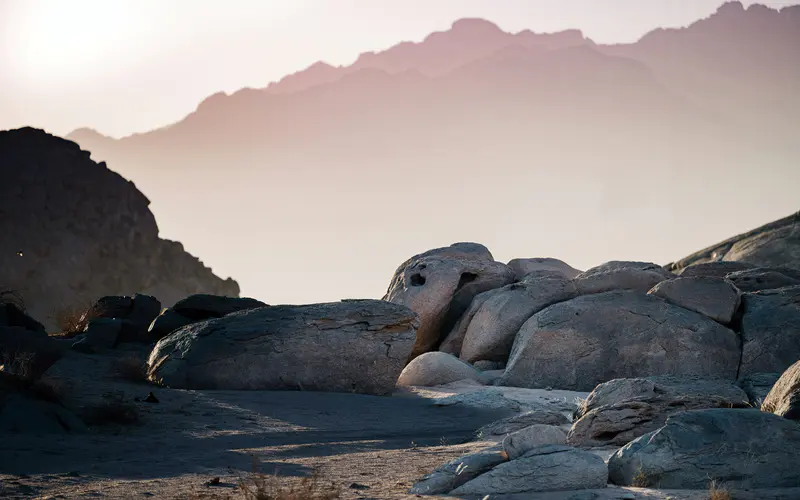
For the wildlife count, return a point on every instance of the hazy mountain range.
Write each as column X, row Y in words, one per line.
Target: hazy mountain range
column 316, row 186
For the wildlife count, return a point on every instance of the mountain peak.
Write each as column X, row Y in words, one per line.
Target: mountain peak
column 475, row 25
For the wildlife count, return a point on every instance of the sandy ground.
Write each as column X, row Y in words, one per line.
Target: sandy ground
column 365, row 446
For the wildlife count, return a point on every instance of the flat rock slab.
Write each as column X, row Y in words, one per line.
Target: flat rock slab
column 744, row 448
column 770, row 330
column 351, row 346
column 713, row 297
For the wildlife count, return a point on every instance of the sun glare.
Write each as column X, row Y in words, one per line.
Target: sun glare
column 62, row 40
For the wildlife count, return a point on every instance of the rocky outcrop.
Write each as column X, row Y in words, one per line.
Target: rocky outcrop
column 26, row 351
column 583, row 342
column 439, row 286
column 757, row 386
column 457, row 472
column 621, row 275
column 350, row 346
column 436, row 368
column 523, row 267
column 713, row 297
column 524, row 440
column 73, row 230
column 776, row 244
column 770, row 329
column 760, row 278
column 498, row 430
column 493, row 327
column 784, row 398
column 545, row 468
column 198, row 307
column 716, row 269
column 743, row 448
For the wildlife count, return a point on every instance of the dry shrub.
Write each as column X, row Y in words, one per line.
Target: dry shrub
column 259, row 486
column 71, row 321
column 131, row 368
column 17, row 363
column 112, row 410
column 718, row 492
column 641, row 480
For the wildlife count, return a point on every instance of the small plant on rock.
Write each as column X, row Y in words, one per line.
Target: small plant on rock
column 718, row 492
column 259, row 486
column 641, row 480
column 71, row 321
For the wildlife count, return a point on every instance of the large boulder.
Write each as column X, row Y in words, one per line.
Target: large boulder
column 621, row 275
column 349, row 346
column 524, row 440
column 545, row 468
column 28, row 353
column 784, row 398
column 439, row 286
column 491, row 332
column 133, row 315
column 759, row 278
column 743, row 448
column 589, row 340
column 436, row 368
column 776, row 244
column 770, row 329
column 197, row 307
column 500, row 429
column 713, row 297
column 454, row 340
column 523, row 267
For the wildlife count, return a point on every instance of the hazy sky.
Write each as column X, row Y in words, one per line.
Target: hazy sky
column 124, row 66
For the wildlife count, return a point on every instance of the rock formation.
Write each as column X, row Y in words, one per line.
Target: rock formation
column 73, row 230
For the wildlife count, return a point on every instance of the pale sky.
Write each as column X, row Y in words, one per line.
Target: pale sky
column 124, row 66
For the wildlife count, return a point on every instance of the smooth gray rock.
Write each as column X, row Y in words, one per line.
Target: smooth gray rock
column 713, row 297
column 546, row 468
column 101, row 333
column 454, row 340
column 436, row 368
column 759, row 278
column 440, row 284
column 581, row 343
column 522, row 267
column 487, row 366
column 757, row 386
column 28, row 353
column 743, row 448
column 457, row 472
column 770, row 329
column 621, row 275
column 501, row 428
column 524, row 440
column 351, row 346
column 621, row 389
column 713, row 269
column 167, row 322
column 619, row 423
column 494, row 326
column 784, row 398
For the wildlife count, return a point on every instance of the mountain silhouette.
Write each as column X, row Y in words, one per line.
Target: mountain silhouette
column 618, row 151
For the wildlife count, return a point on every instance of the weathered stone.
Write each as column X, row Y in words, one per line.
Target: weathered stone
column 440, row 284
column 501, row 428
column 486, row 365
column 28, row 353
column 350, row 346
column 73, row 230
column 713, row 269
column 457, row 472
column 436, row 368
column 621, row 275
column 522, row 267
column 743, row 448
column 23, row 410
column 167, row 322
column 776, row 244
column 758, row 385
column 595, row 338
column 713, row 297
column 546, row 468
column 13, row 315
column 670, row 387
column 770, row 330
column 753, row 280
column 524, row 440
column 621, row 422
column 202, row 306
column 784, row 398
column 102, row 333
column 454, row 340
column 494, row 326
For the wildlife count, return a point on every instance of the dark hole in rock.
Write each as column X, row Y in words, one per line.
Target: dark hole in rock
column 466, row 278
column 417, row 280
column 423, row 266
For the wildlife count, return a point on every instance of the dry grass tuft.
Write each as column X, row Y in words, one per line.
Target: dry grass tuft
column 641, row 480
column 718, row 492
column 71, row 321
column 131, row 368
column 259, row 486
column 17, row 363
column 112, row 410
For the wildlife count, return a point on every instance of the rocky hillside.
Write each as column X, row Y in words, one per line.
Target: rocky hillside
column 73, row 230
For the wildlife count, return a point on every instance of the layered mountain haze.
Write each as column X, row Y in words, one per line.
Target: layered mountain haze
column 545, row 144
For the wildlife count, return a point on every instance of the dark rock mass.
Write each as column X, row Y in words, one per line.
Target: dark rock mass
column 73, row 230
